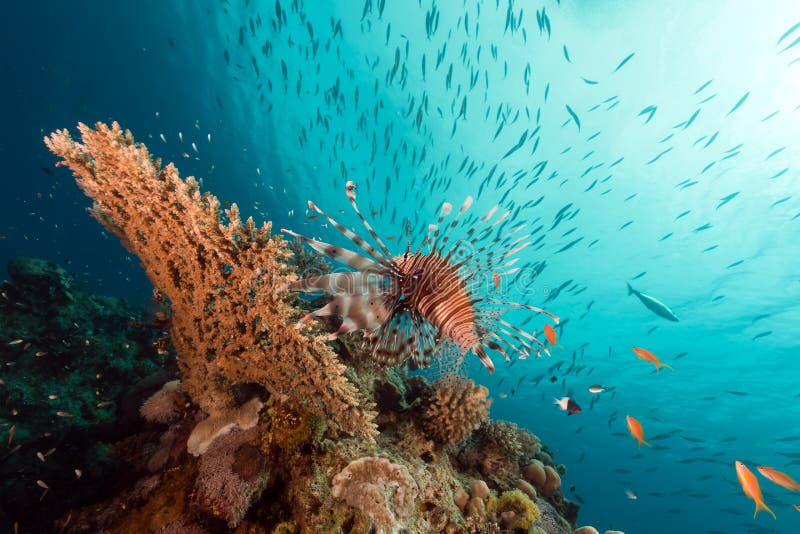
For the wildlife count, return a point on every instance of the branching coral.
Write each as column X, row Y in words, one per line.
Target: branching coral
column 457, row 408
column 219, row 274
column 381, row 490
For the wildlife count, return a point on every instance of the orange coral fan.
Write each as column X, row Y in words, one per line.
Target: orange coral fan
column 229, row 325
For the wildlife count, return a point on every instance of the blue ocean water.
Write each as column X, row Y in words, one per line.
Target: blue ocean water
column 662, row 133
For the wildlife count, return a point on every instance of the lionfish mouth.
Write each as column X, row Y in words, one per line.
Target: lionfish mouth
column 415, row 305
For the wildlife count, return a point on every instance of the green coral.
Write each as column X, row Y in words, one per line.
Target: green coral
column 285, row 527
column 526, row 513
column 289, row 429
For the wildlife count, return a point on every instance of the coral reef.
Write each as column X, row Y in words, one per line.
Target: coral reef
column 457, row 408
column 164, row 405
column 381, row 490
column 230, row 476
column 268, row 431
column 220, row 423
column 72, row 367
column 220, row 276
column 517, row 511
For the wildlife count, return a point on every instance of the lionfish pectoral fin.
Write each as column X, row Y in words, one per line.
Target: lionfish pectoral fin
column 339, row 283
column 342, row 255
column 401, row 336
column 485, row 359
column 496, row 346
column 348, row 325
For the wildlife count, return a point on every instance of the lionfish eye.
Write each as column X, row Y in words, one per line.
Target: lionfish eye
column 416, row 276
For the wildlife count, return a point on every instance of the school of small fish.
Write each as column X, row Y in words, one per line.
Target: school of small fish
column 412, row 112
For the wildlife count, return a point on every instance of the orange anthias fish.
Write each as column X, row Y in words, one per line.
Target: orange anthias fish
column 637, row 432
column 781, row 479
column 648, row 356
column 550, row 334
column 751, row 488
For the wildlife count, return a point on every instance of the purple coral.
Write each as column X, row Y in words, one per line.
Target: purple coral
column 225, row 486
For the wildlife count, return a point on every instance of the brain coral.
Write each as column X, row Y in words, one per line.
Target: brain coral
column 456, row 408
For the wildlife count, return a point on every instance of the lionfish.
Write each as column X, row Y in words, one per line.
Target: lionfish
column 416, row 305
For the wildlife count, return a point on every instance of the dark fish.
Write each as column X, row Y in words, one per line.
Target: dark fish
column 519, row 144
column 569, row 405
column 683, row 214
column 569, row 245
column 649, row 111
column 727, row 198
column 47, row 171
column 702, row 87
column 739, row 103
column 622, row 63
column 702, row 228
column 574, row 117
column 762, row 334
column 779, row 173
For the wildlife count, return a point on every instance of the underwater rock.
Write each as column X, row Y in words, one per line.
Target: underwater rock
column 41, row 281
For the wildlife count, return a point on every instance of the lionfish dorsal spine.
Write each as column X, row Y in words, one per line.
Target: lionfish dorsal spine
column 342, row 255
column 366, row 247
column 350, row 189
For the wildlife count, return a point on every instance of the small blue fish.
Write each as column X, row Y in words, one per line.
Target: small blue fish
column 654, row 305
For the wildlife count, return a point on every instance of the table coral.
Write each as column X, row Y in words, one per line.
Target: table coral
column 219, row 274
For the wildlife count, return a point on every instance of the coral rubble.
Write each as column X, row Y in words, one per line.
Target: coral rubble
column 268, row 430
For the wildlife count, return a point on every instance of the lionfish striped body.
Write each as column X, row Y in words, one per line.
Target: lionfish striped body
column 415, row 304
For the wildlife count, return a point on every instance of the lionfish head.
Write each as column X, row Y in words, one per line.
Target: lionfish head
column 417, row 305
